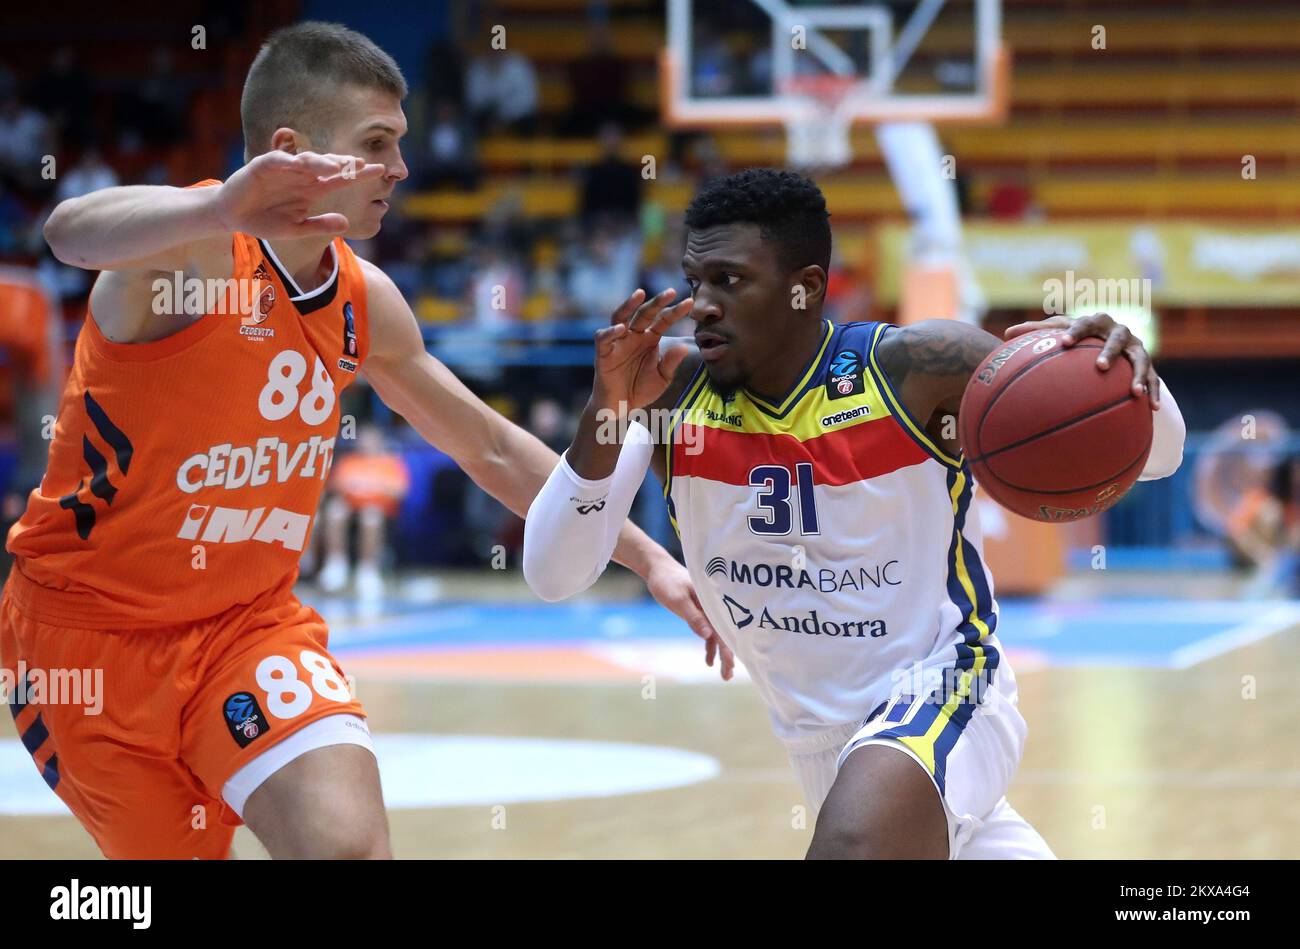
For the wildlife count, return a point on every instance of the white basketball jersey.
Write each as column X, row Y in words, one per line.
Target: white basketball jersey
column 831, row 541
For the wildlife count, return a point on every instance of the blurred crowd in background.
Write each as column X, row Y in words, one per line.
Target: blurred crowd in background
column 479, row 285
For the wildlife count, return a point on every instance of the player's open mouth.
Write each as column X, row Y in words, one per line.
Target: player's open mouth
column 711, row 346
column 381, row 202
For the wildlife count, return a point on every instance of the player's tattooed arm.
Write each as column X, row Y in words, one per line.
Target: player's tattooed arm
column 929, row 363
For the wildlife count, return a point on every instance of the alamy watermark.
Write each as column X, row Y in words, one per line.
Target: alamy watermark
column 179, row 295
column 613, row 424
column 1086, row 294
column 53, row 687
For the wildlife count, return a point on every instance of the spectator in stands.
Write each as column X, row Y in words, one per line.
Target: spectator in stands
column 445, row 72
column 501, row 92
column 706, row 158
column 507, row 226
column 1265, row 529
column 597, row 86
column 89, row 173
column 16, row 226
column 452, row 148
column 156, row 114
column 602, row 272
column 546, row 420
column 63, row 93
column 496, row 291
column 665, row 270
column 369, row 484
column 611, row 187
column 24, row 141
column 1011, row 199
column 31, row 335
column 847, row 297
column 713, row 68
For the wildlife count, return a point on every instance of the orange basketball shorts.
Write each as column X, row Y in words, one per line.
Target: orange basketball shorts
column 162, row 719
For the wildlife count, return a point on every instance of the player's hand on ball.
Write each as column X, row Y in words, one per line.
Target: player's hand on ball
column 274, row 194
column 1119, row 339
column 631, row 368
column 670, row 585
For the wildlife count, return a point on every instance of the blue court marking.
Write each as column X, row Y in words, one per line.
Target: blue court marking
column 461, row 625
column 1162, row 633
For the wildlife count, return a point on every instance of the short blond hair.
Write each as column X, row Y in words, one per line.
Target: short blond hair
column 296, row 77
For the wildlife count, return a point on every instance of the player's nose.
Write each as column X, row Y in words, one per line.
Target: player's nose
column 706, row 309
column 396, row 170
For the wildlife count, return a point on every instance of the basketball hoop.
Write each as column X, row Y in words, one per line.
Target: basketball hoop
column 817, row 136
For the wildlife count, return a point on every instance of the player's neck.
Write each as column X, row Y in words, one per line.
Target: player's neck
column 307, row 260
column 774, row 384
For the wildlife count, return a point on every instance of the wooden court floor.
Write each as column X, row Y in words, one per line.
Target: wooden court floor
column 1120, row 763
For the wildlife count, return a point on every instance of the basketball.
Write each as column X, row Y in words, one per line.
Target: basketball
column 1048, row 434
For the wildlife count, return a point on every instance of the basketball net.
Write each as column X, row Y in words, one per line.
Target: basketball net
column 818, row 137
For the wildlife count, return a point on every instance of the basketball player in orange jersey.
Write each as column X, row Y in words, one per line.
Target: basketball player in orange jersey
column 189, row 454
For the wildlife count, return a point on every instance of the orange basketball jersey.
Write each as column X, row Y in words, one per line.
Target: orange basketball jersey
column 185, row 473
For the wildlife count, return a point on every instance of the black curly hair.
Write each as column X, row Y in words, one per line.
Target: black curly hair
column 789, row 209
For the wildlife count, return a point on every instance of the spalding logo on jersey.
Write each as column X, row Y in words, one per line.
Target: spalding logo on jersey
column 846, row 376
column 244, row 718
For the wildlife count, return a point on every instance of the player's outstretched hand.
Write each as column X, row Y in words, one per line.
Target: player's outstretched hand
column 670, row 585
column 631, row 369
column 273, row 195
column 1119, row 339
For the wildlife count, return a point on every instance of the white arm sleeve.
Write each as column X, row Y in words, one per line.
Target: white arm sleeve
column 573, row 524
column 1168, row 433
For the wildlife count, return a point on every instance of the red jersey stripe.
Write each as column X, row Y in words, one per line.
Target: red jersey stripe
column 862, row 451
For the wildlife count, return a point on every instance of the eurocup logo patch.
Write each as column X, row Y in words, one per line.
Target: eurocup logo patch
column 244, row 718
column 349, row 332
column 845, row 363
column 846, row 375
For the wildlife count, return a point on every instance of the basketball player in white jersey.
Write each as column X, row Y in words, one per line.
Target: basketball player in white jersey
column 825, row 520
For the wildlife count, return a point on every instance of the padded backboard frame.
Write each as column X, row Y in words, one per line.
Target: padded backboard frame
column 875, row 97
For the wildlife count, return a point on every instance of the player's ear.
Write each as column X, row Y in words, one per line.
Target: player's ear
column 812, row 280
column 287, row 140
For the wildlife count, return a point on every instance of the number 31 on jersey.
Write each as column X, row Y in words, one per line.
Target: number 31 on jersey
column 775, row 500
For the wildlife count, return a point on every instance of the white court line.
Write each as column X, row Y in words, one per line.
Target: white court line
column 1186, row 780
column 1199, row 780
column 1272, row 622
